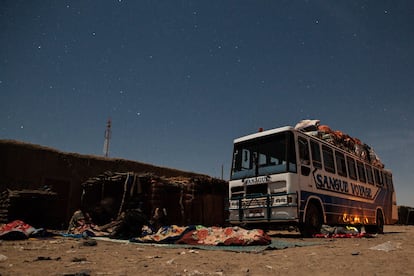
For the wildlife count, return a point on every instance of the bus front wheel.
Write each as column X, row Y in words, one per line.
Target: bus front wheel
column 313, row 222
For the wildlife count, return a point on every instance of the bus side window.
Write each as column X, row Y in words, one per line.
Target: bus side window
column 328, row 160
column 388, row 179
column 316, row 155
column 304, row 156
column 361, row 172
column 370, row 176
column 340, row 163
column 377, row 177
column 304, row 151
column 383, row 180
column 351, row 168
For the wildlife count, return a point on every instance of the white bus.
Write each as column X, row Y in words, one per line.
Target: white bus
column 286, row 176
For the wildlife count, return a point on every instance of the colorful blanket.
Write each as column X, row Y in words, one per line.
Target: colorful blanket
column 81, row 225
column 225, row 236
column 16, row 230
column 200, row 235
column 166, row 234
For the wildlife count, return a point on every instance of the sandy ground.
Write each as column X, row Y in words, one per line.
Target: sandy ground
column 389, row 254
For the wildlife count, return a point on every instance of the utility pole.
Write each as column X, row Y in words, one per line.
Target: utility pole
column 107, row 138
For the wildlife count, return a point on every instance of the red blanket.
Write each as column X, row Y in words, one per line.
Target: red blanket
column 225, row 236
column 16, row 230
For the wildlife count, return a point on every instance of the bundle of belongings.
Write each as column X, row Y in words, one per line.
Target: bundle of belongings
column 342, row 232
column 18, row 230
column 201, row 235
column 340, row 139
column 134, row 227
column 128, row 224
column 81, row 225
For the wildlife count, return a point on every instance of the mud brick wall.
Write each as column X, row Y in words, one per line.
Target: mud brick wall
column 186, row 200
column 28, row 166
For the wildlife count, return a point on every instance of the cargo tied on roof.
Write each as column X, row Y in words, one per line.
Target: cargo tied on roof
column 340, row 139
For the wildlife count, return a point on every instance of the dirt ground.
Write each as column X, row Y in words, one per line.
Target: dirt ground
column 389, row 254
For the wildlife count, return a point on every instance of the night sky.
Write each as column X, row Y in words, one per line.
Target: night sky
column 181, row 79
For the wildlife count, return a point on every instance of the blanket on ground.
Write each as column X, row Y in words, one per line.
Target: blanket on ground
column 200, row 235
column 225, row 236
column 166, row 234
column 16, row 230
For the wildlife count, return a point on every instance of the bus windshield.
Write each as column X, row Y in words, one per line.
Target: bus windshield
column 264, row 156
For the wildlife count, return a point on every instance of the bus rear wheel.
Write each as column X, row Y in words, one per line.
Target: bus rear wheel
column 378, row 228
column 380, row 222
column 313, row 222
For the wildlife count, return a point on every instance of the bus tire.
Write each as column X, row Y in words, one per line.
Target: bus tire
column 312, row 223
column 378, row 228
column 380, row 222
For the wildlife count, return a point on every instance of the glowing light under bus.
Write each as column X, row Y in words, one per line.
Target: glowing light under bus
column 354, row 219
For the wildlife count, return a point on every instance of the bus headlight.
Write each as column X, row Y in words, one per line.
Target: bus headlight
column 292, row 199
column 279, row 200
column 234, row 204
